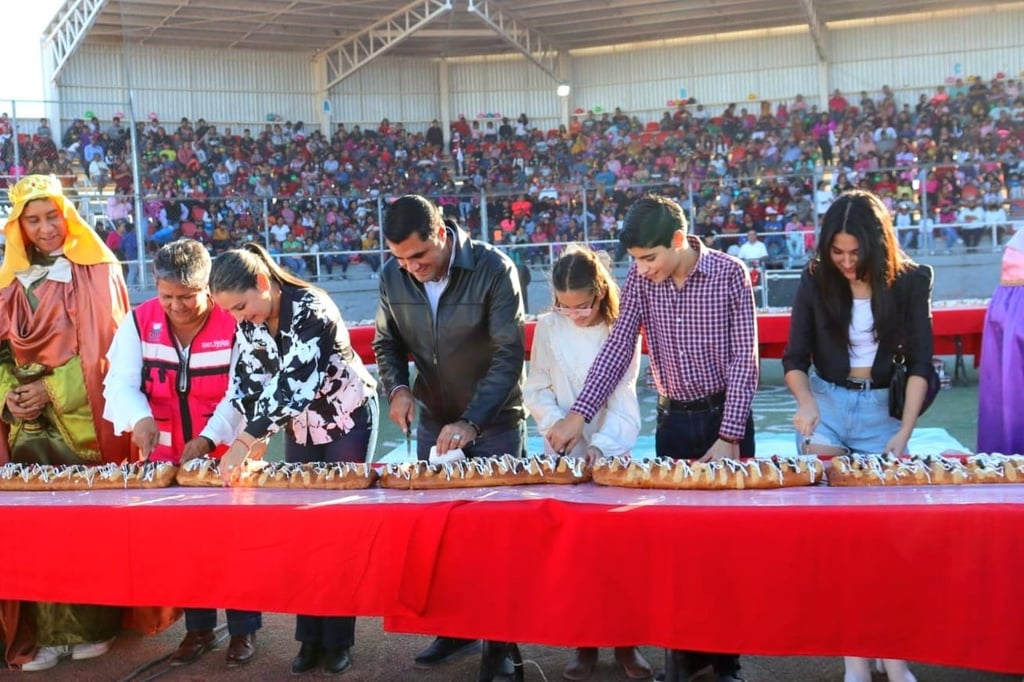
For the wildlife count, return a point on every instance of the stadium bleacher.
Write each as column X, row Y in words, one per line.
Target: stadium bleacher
column 947, row 165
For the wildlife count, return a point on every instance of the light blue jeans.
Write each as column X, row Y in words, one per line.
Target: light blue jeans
column 856, row 420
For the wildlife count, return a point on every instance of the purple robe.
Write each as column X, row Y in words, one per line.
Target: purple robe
column 1001, row 376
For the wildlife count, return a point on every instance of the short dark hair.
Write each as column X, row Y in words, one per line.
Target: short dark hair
column 651, row 222
column 184, row 261
column 411, row 214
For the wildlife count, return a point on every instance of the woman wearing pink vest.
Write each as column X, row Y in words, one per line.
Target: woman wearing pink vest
column 167, row 384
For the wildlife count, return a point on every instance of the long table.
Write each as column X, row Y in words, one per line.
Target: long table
column 925, row 574
column 957, row 332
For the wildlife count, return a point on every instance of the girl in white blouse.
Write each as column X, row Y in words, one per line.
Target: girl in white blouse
column 565, row 343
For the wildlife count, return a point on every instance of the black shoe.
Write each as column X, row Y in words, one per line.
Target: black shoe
column 444, row 649
column 497, row 660
column 336, row 661
column 307, row 659
column 729, row 677
column 701, row 673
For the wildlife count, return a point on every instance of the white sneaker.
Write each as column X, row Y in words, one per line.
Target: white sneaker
column 81, row 652
column 46, row 658
column 856, row 669
column 897, row 671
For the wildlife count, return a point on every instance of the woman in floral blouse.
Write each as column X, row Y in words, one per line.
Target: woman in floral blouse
column 296, row 370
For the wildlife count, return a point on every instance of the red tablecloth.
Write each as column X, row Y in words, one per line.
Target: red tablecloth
column 965, row 324
column 773, row 332
column 916, row 573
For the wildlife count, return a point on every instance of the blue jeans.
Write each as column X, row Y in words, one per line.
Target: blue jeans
column 132, row 278
column 856, row 420
column 336, row 259
column 908, row 237
column 951, row 235
column 371, row 259
column 239, row 622
column 294, row 263
column 926, row 240
column 492, row 441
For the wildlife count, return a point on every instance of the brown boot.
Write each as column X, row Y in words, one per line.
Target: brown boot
column 581, row 666
column 633, row 663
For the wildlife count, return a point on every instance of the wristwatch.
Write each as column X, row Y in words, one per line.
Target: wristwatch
column 475, row 427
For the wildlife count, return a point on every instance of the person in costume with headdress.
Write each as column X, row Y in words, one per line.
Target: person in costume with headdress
column 62, row 296
column 1000, row 421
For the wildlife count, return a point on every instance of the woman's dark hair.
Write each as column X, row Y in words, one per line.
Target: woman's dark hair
column 236, row 270
column 863, row 216
column 651, row 222
column 582, row 269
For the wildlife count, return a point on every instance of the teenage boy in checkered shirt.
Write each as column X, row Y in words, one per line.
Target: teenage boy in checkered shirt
column 696, row 308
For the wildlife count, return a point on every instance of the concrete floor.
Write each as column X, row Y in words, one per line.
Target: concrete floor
column 384, row 657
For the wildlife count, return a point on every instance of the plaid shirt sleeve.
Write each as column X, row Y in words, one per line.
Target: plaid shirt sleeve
column 611, row 363
column 742, row 367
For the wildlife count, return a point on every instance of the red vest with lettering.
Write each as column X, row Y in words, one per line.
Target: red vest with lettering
column 183, row 398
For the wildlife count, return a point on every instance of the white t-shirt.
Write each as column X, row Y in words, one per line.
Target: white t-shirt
column 279, row 232
column 753, row 251
column 863, row 346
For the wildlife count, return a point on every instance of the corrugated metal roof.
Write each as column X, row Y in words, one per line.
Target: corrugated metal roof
column 314, row 25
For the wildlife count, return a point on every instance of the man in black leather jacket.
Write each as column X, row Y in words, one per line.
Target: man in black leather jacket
column 455, row 306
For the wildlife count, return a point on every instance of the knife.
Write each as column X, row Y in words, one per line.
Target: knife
column 408, row 437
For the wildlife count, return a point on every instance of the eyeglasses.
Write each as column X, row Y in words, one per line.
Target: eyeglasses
column 576, row 312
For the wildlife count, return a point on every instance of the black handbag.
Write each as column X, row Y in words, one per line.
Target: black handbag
column 898, row 385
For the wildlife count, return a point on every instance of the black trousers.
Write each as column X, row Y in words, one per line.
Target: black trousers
column 494, row 440
column 330, row 632
column 688, row 435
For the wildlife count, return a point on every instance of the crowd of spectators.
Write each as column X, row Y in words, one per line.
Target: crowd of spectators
column 948, row 165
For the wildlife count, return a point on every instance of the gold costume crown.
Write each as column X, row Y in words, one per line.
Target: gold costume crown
column 34, row 187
